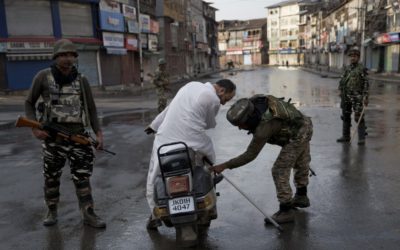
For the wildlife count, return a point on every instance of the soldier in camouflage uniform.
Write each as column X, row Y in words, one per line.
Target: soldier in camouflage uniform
column 275, row 121
column 67, row 101
column 160, row 80
column 353, row 88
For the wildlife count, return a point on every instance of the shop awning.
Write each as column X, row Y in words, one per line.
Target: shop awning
column 29, row 57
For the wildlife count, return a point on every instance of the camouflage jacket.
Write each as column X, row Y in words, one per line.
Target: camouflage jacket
column 278, row 125
column 161, row 81
column 354, row 80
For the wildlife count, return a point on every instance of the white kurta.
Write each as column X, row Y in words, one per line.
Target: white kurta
column 190, row 113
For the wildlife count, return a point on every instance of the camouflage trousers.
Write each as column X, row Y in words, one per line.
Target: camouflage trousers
column 294, row 155
column 162, row 102
column 80, row 158
column 352, row 103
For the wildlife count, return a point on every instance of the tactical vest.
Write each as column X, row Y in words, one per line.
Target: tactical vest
column 285, row 111
column 65, row 103
column 354, row 79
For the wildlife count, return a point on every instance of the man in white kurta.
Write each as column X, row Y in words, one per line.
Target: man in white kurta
column 188, row 116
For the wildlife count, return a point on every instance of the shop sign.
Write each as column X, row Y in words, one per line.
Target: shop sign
column 131, row 42
column 28, row 46
column 153, row 42
column 154, row 26
column 109, row 6
column 129, row 11
column 145, row 23
column 111, row 21
column 144, row 41
column 133, row 26
column 3, row 47
column 113, row 39
column 237, row 52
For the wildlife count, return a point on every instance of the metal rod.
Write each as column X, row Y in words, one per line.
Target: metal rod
column 253, row 203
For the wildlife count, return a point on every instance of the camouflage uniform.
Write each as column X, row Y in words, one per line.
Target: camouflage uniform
column 280, row 124
column 68, row 104
column 353, row 87
column 161, row 82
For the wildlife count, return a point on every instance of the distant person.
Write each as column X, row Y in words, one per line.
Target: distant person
column 191, row 112
column 287, row 63
column 353, row 87
column 230, row 64
column 161, row 82
column 67, row 102
column 275, row 121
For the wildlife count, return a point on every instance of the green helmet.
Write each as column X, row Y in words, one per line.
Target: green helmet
column 240, row 111
column 64, row 46
column 354, row 51
column 161, row 61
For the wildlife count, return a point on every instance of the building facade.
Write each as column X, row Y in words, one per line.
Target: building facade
column 242, row 41
column 283, row 33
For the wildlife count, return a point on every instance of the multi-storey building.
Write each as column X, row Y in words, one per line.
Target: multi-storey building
column 242, row 41
column 283, row 33
column 119, row 41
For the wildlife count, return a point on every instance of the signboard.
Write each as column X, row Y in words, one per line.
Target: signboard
column 112, row 21
column 109, row 6
column 144, row 41
column 131, row 42
column 154, row 26
column 145, row 22
column 113, row 39
column 153, row 42
column 129, row 11
column 133, row 26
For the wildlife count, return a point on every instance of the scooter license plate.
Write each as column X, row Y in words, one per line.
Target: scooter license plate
column 181, row 205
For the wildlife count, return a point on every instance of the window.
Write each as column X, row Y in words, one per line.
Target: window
column 76, row 19
column 28, row 18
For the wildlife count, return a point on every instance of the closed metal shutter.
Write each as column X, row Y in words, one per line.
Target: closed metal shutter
column 28, row 17
column 87, row 63
column 76, row 19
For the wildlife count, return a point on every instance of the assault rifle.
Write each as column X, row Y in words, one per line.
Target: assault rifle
column 56, row 130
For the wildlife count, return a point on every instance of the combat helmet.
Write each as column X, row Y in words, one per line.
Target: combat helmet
column 240, row 111
column 64, row 46
column 161, row 61
column 354, row 51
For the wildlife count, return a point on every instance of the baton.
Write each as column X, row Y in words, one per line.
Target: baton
column 253, row 203
column 358, row 123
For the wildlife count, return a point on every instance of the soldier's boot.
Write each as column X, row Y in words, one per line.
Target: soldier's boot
column 90, row 218
column 51, row 216
column 300, row 199
column 346, row 133
column 84, row 194
column 361, row 134
column 52, row 196
column 284, row 215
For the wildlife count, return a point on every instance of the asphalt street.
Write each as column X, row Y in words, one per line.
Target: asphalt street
column 354, row 200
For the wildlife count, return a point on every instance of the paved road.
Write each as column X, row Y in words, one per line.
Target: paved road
column 354, row 198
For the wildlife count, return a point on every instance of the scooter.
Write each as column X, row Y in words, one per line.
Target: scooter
column 185, row 193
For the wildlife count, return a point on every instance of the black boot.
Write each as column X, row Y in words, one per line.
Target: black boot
column 153, row 224
column 51, row 216
column 346, row 132
column 300, row 199
column 284, row 215
column 91, row 219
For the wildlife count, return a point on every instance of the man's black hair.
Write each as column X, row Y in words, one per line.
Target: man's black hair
column 227, row 84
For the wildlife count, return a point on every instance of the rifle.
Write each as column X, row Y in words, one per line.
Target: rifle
column 56, row 130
